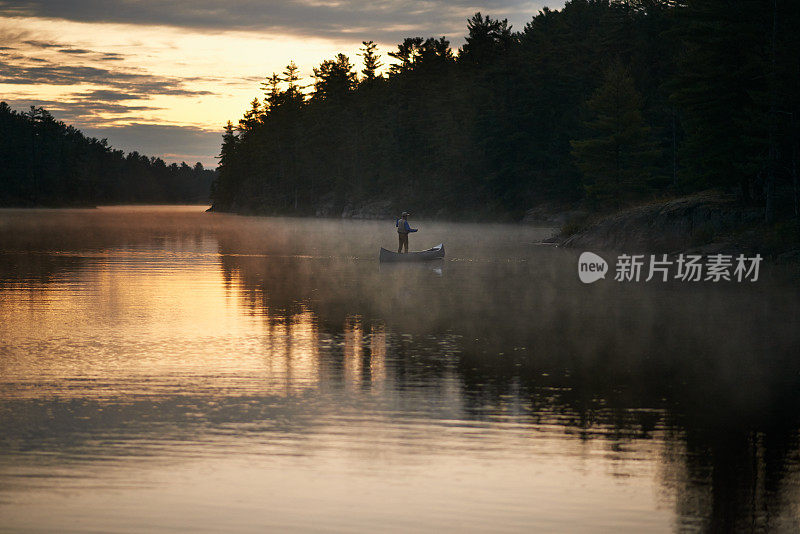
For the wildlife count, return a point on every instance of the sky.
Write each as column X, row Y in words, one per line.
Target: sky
column 164, row 76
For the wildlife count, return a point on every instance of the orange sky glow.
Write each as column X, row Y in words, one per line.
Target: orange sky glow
column 166, row 83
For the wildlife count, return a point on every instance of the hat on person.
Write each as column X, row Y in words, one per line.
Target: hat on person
column 404, row 214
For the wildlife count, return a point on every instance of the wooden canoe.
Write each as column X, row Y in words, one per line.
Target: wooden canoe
column 435, row 253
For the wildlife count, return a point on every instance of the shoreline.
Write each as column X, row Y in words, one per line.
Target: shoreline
column 707, row 222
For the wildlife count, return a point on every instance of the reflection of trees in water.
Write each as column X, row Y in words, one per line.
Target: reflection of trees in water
column 93, row 231
column 733, row 475
column 31, row 269
column 709, row 377
column 688, row 368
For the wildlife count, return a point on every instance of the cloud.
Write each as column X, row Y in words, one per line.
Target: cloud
column 75, row 51
column 108, row 95
column 57, row 74
column 134, row 83
column 81, row 111
column 63, row 48
column 20, row 57
column 171, row 142
column 10, row 36
column 84, row 110
column 383, row 20
column 117, row 93
column 42, row 44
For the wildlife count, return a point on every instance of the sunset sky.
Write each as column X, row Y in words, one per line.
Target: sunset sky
column 163, row 77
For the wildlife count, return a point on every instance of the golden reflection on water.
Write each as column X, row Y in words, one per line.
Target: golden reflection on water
column 377, row 353
column 353, row 348
column 189, row 370
column 292, row 353
column 126, row 319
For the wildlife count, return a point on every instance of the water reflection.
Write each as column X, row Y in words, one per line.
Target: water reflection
column 144, row 349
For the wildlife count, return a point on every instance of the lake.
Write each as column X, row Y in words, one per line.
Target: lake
column 163, row 369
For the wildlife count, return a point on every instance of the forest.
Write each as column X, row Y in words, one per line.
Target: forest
column 47, row 163
column 605, row 103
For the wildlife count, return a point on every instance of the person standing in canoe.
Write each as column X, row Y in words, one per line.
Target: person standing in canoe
column 403, row 229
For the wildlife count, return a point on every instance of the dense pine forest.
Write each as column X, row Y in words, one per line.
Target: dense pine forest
column 602, row 102
column 47, row 163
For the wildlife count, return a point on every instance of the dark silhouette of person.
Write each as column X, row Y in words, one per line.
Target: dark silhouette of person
column 403, row 229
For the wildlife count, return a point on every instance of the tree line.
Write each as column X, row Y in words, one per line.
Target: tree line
column 47, row 163
column 604, row 101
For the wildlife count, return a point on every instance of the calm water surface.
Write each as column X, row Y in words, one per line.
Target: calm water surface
column 167, row 370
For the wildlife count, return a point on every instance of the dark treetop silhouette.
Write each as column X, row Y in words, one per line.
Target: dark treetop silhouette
column 47, row 163
column 605, row 101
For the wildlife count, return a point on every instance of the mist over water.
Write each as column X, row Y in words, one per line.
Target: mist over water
column 164, row 369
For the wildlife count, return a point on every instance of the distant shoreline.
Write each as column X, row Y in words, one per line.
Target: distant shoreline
column 708, row 222
column 96, row 206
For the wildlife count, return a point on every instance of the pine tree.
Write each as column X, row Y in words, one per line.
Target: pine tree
column 720, row 72
column 272, row 92
column 371, row 61
column 252, row 117
column 617, row 153
column 293, row 96
column 407, row 53
column 334, row 79
column 487, row 38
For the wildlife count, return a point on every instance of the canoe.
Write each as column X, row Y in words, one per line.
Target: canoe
column 435, row 253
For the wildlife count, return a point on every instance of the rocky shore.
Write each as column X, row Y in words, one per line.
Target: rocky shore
column 706, row 223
